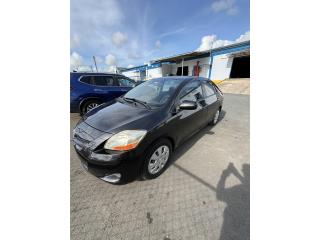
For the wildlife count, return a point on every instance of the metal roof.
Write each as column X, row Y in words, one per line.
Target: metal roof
column 198, row 53
column 231, row 48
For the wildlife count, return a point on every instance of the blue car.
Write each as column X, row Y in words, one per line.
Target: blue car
column 88, row 90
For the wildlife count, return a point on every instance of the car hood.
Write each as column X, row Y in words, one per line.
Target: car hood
column 115, row 116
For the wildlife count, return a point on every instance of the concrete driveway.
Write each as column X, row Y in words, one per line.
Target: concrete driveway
column 200, row 196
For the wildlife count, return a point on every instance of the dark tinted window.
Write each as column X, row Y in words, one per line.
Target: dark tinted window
column 192, row 92
column 109, row 80
column 208, row 88
column 87, row 79
column 125, row 82
column 100, row 81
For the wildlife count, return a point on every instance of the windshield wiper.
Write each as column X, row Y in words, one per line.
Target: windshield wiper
column 138, row 101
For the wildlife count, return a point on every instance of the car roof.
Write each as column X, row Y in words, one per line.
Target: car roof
column 96, row 73
column 186, row 78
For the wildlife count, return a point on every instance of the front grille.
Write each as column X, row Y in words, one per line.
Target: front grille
column 87, row 133
column 78, row 137
column 88, row 137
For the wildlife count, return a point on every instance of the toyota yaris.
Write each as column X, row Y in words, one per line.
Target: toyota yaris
column 136, row 134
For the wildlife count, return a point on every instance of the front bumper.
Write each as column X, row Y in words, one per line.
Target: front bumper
column 88, row 143
column 126, row 164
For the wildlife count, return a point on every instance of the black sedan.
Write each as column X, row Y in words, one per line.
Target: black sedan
column 136, row 134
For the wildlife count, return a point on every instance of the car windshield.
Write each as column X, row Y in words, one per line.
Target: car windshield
column 155, row 92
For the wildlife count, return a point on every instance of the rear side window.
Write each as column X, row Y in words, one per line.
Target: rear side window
column 98, row 80
column 208, row 89
column 216, row 88
column 87, row 79
column 192, row 92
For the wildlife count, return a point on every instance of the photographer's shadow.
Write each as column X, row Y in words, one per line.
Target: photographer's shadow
column 236, row 216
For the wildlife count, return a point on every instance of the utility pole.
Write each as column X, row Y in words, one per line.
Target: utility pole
column 211, row 60
column 182, row 66
column 95, row 63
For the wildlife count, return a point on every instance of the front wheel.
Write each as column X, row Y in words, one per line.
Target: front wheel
column 89, row 105
column 157, row 159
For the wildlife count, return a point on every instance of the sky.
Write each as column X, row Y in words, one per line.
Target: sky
column 127, row 33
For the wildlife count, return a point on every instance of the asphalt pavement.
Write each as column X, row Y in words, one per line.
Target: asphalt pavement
column 204, row 194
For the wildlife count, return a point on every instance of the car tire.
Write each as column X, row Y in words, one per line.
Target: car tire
column 216, row 117
column 161, row 146
column 89, row 105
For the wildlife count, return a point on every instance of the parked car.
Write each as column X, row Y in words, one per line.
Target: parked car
column 136, row 134
column 88, row 90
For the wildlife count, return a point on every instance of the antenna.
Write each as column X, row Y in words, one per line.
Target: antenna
column 95, row 63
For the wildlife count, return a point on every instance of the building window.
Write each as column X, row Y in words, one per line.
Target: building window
column 185, row 71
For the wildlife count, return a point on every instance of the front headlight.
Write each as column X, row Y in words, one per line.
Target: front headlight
column 125, row 140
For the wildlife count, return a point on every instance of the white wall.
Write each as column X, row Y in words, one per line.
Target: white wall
column 166, row 69
column 221, row 67
column 154, row 73
column 132, row 74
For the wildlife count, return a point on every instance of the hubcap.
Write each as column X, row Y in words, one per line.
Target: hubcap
column 216, row 117
column 158, row 159
column 92, row 106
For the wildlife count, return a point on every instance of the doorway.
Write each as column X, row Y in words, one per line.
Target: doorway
column 240, row 67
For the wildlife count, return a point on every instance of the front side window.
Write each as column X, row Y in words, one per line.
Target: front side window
column 109, row 80
column 192, row 92
column 125, row 82
column 155, row 92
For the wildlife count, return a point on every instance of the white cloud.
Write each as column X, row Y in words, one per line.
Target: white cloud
column 111, row 60
column 74, row 41
column 76, row 61
column 86, row 13
column 158, row 44
column 112, row 69
column 119, row 39
column 212, row 41
column 228, row 6
column 244, row 37
column 130, row 66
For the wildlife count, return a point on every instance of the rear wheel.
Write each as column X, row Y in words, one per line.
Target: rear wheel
column 89, row 105
column 215, row 117
column 157, row 159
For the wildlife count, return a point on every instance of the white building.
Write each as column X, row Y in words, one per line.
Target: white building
column 232, row 61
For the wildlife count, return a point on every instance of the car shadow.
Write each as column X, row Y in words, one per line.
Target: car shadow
column 236, row 215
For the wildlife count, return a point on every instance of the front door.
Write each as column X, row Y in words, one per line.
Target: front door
column 191, row 121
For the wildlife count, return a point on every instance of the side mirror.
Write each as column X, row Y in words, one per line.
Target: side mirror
column 188, row 105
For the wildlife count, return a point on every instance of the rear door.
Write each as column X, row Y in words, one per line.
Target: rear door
column 103, row 87
column 211, row 99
